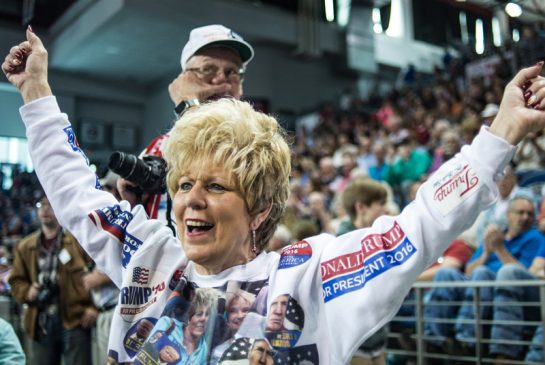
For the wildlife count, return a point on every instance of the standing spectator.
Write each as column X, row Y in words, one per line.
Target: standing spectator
column 104, row 294
column 47, row 276
column 213, row 62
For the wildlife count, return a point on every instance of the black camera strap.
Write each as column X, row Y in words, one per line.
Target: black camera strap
column 169, row 215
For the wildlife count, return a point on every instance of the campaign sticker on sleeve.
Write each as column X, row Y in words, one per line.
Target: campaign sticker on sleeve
column 455, row 186
column 295, row 255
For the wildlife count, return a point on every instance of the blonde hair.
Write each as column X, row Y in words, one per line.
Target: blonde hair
column 249, row 145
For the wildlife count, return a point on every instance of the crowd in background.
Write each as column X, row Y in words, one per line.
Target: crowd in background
column 398, row 139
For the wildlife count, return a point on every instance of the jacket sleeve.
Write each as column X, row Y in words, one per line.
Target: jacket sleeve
column 107, row 229
column 395, row 250
column 19, row 277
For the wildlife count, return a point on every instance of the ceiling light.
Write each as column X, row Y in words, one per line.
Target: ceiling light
column 513, row 10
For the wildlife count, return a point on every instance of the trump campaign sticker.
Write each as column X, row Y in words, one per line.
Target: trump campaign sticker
column 295, row 255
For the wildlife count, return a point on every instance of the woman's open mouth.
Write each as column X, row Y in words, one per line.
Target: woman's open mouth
column 197, row 226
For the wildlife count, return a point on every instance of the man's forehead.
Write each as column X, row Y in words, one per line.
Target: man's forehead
column 219, row 53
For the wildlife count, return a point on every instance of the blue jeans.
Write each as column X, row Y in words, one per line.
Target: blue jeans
column 466, row 311
column 519, row 313
column 535, row 352
column 74, row 345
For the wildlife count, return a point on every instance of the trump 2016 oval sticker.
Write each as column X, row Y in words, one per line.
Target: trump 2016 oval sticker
column 295, row 255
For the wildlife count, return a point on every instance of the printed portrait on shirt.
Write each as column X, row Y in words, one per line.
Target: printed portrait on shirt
column 137, row 334
column 182, row 338
column 285, row 321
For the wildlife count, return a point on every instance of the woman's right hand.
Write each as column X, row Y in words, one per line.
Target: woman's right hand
column 25, row 67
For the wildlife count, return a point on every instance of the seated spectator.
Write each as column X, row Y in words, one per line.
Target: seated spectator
column 450, row 145
column 318, row 212
column 503, row 311
column 345, row 171
column 519, row 245
column 411, row 164
column 497, row 213
column 366, row 156
column 379, row 170
column 489, row 113
column 280, row 239
column 455, row 257
column 304, row 228
column 530, row 153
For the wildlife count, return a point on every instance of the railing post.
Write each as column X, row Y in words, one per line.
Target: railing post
column 542, row 307
column 419, row 327
column 478, row 334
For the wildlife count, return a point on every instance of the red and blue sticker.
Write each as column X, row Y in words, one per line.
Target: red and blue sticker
column 295, row 255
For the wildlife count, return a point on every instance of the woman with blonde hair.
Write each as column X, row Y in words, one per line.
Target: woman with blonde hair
column 229, row 168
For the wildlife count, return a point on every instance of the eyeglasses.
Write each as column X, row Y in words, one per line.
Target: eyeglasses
column 209, row 72
column 521, row 212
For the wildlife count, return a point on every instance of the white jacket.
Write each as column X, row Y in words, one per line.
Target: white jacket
column 341, row 289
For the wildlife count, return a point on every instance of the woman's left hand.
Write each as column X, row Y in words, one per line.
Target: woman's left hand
column 522, row 106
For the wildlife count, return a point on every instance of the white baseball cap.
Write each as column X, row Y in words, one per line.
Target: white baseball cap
column 490, row 110
column 212, row 36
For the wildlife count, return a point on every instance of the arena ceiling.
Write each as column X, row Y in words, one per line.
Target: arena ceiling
column 140, row 41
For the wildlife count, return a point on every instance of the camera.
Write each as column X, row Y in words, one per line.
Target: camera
column 46, row 294
column 149, row 173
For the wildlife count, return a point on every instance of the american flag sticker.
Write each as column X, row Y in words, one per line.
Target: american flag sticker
column 140, row 275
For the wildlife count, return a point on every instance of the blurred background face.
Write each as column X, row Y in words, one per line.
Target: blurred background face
column 506, row 185
column 520, row 216
column 226, row 61
column 46, row 214
column 316, row 202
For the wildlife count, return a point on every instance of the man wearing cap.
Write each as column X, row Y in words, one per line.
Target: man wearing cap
column 213, row 62
column 488, row 113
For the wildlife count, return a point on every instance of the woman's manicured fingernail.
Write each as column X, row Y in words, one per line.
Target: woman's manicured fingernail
column 537, row 107
column 540, row 63
column 526, row 85
column 531, row 100
column 30, row 28
column 527, row 94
